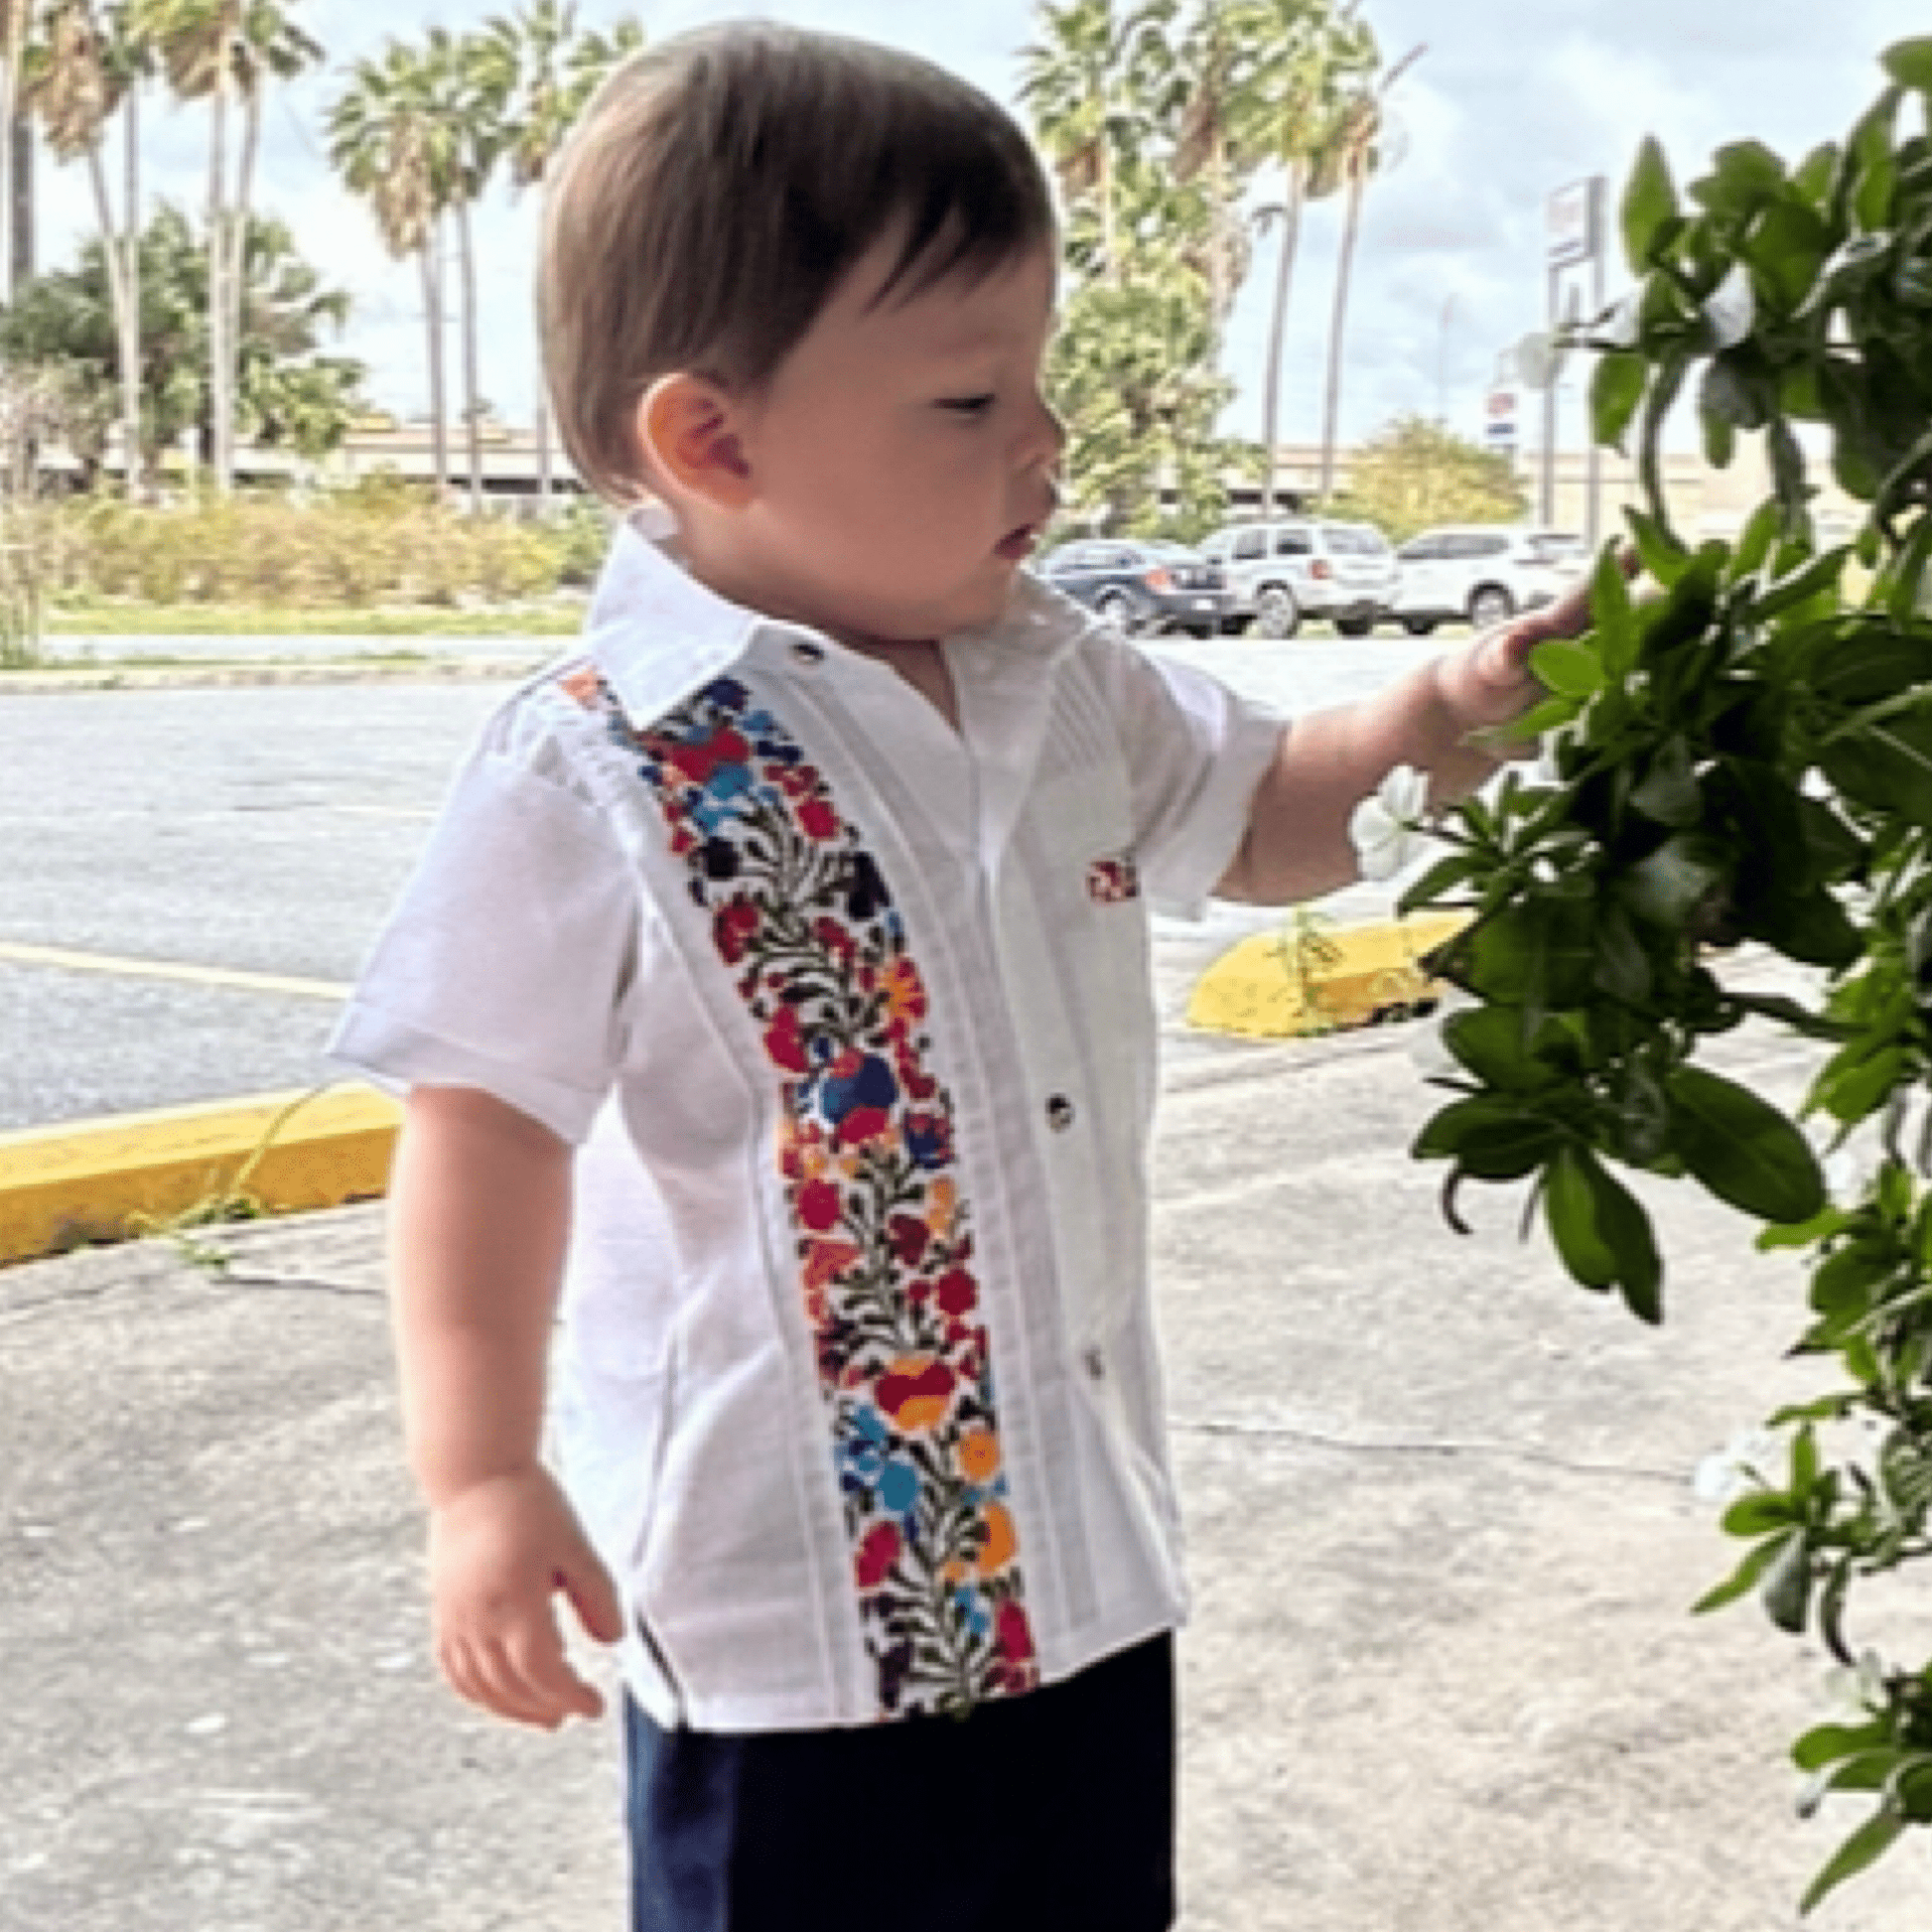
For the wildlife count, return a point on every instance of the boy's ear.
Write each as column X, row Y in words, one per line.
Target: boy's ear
column 688, row 429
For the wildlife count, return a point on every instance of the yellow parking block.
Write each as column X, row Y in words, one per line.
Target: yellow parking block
column 1278, row 985
column 108, row 1180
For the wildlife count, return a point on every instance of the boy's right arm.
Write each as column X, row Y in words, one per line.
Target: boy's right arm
column 479, row 1220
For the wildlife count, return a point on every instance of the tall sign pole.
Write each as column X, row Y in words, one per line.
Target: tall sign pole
column 1574, row 225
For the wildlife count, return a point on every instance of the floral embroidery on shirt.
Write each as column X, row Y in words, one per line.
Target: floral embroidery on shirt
column 1115, row 881
column 802, row 919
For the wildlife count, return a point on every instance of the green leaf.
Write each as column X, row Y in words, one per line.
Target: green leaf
column 1663, row 557
column 1886, row 765
column 1909, row 62
column 1759, row 1514
column 1786, row 1591
column 1676, row 882
column 1739, row 1583
column 1538, row 953
column 1622, row 965
column 1612, row 612
column 1827, row 1744
column 1568, row 668
column 1742, row 1149
column 1445, row 876
column 1862, row 1850
column 1755, row 546
column 1819, row 574
column 1786, row 250
column 1569, row 1207
column 1669, row 792
column 1616, row 392
column 1493, row 1043
column 1602, row 1231
column 1650, row 203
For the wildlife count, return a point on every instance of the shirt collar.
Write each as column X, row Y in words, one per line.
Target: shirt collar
column 658, row 635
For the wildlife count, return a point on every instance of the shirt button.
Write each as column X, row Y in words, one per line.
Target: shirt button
column 1096, row 1363
column 809, row 652
column 1059, row 1113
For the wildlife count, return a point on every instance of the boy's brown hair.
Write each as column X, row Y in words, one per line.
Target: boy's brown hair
column 720, row 187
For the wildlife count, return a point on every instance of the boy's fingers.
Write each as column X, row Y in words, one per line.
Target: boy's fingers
column 513, row 1693
column 593, row 1597
column 537, row 1657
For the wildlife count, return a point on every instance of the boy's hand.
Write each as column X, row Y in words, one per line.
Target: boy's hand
column 497, row 1552
column 1496, row 683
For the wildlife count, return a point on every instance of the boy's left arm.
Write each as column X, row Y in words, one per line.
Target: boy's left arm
column 1297, row 845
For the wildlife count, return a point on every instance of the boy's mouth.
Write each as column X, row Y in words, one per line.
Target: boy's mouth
column 1017, row 544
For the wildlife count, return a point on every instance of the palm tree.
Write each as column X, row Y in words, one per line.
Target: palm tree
column 1356, row 154
column 226, row 52
column 1312, row 53
column 18, row 20
column 468, row 83
column 391, row 148
column 289, row 392
column 557, row 68
column 88, row 68
column 1079, row 85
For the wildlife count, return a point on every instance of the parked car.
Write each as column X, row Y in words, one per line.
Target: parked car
column 1483, row 573
column 1140, row 584
column 1304, row 567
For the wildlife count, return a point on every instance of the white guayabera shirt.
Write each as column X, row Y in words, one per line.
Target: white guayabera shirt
column 851, row 1015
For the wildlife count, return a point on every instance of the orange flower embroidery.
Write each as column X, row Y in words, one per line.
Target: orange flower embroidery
column 979, row 1456
column 997, row 1550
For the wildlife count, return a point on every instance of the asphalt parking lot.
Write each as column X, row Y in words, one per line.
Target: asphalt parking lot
column 196, row 871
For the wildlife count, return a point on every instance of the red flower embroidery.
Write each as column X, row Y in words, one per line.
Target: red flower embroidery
column 818, row 820
column 1016, row 1632
column 819, row 1206
column 876, row 1555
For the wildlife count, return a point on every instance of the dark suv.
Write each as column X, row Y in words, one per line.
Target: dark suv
column 1142, row 585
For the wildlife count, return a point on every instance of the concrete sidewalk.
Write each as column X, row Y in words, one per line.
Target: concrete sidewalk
column 1440, row 1674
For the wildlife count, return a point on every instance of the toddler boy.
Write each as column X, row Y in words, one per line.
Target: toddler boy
column 776, row 988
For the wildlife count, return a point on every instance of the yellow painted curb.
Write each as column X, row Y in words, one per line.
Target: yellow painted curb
column 108, row 1180
column 1274, row 986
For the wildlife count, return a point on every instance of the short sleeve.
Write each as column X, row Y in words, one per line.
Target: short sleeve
column 504, row 964
column 1196, row 751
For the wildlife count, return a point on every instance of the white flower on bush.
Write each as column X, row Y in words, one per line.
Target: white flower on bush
column 1428, row 1049
column 1386, row 827
column 1748, row 1462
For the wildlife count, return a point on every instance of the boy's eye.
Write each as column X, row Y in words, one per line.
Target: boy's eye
column 967, row 405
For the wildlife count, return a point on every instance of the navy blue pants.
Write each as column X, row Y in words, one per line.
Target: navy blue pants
column 1047, row 1813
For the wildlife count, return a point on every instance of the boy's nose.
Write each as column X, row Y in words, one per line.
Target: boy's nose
column 1045, row 434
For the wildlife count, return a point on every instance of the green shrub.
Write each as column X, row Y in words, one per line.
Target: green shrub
column 384, row 544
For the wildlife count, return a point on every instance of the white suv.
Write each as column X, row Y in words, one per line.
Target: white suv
column 1280, row 573
column 1482, row 573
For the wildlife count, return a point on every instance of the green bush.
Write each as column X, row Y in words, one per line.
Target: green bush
column 384, row 544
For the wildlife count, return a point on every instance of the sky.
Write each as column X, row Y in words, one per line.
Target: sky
column 1509, row 101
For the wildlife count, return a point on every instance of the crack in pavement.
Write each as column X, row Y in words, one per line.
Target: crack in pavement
column 1361, row 1445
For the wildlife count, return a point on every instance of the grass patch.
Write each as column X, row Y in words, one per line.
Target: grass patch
column 120, row 620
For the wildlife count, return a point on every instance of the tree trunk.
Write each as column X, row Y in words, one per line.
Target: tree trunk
column 431, row 258
column 220, row 410
column 120, row 299
column 238, row 260
column 546, row 482
column 471, row 374
column 24, row 225
column 10, row 62
column 131, row 276
column 1338, row 329
column 1271, row 403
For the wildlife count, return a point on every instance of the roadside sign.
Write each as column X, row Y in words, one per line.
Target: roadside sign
column 1571, row 219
